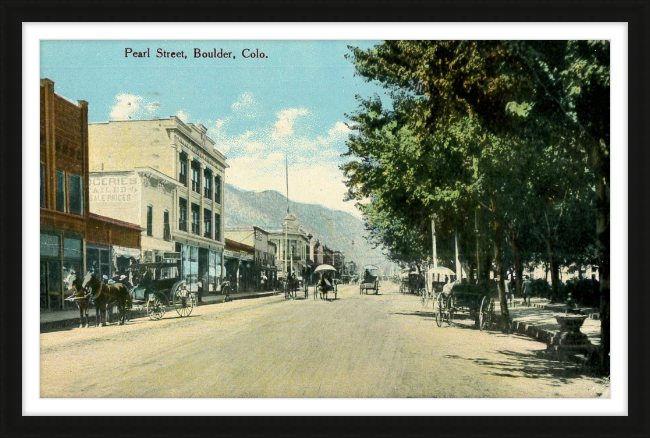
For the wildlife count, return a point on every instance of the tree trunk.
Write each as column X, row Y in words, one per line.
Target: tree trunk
column 471, row 272
column 549, row 238
column 505, row 315
column 519, row 272
column 601, row 161
column 488, row 263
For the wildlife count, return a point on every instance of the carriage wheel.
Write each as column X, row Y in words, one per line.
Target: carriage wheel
column 450, row 310
column 439, row 312
column 483, row 313
column 424, row 297
column 155, row 309
column 182, row 300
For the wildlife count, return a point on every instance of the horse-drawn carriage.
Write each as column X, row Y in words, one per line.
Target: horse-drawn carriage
column 326, row 284
column 292, row 286
column 412, row 283
column 156, row 295
column 370, row 280
column 477, row 300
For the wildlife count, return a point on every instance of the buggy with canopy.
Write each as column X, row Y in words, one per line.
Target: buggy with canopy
column 370, row 280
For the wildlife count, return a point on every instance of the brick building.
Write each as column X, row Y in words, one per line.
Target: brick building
column 66, row 227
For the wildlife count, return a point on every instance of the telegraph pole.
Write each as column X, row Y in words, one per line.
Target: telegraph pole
column 286, row 231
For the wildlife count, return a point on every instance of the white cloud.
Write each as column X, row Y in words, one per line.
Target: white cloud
column 126, row 106
column 310, row 181
column 286, row 118
column 129, row 106
column 257, row 156
column 183, row 116
column 246, row 105
column 339, row 129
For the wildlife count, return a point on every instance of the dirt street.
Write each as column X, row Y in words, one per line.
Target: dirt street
column 383, row 345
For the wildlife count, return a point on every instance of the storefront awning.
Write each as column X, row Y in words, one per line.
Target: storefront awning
column 122, row 251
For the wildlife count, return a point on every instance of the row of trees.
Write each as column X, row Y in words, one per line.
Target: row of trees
column 504, row 142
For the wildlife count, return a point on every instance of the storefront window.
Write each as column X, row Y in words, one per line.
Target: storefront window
column 212, row 271
column 98, row 261
column 190, row 259
column 72, row 261
column 54, row 284
column 194, row 262
column 49, row 246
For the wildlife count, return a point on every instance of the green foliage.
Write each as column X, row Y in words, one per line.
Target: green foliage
column 504, row 126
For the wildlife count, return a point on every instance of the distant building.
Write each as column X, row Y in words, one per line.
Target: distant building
column 240, row 265
column 265, row 271
column 71, row 237
column 293, row 248
column 167, row 176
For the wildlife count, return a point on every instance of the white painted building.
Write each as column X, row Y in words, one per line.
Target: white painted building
column 168, row 176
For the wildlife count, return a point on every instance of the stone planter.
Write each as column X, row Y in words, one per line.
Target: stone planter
column 570, row 336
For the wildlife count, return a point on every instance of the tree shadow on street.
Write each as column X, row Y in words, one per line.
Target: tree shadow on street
column 536, row 365
column 421, row 313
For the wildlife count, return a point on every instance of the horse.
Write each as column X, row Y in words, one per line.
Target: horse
column 324, row 286
column 80, row 296
column 106, row 294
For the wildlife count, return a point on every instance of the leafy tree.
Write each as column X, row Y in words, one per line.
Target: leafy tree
column 492, row 125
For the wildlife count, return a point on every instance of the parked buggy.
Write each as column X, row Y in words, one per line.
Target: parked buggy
column 157, row 295
column 475, row 300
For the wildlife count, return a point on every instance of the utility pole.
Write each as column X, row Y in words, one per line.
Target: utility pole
column 286, row 231
column 458, row 269
column 478, row 247
column 433, row 242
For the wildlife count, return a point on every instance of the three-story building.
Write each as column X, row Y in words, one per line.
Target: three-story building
column 176, row 177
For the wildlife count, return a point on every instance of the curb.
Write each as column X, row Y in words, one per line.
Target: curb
column 68, row 323
column 584, row 356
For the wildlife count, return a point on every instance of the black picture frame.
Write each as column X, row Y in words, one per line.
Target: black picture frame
column 635, row 13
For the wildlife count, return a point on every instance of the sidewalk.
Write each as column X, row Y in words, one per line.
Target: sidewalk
column 63, row 319
column 538, row 322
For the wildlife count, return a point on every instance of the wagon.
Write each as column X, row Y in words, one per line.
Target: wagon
column 156, row 295
column 475, row 300
column 370, row 280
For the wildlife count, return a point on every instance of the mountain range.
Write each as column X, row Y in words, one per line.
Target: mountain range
column 339, row 230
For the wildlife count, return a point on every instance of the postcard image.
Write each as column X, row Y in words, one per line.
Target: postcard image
column 324, row 219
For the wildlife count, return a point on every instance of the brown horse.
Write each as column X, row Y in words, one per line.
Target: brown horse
column 107, row 294
column 79, row 296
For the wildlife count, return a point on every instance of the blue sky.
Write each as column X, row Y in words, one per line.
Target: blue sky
column 256, row 109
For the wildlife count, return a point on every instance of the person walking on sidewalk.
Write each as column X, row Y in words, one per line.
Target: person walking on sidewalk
column 527, row 290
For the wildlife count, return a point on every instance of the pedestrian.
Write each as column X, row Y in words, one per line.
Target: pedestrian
column 527, row 290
